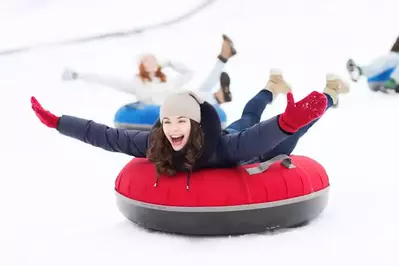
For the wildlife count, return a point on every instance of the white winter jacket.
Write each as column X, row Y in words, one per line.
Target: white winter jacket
column 155, row 92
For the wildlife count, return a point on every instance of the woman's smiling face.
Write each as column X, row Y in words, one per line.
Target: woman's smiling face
column 177, row 131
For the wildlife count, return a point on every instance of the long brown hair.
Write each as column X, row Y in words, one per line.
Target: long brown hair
column 160, row 150
column 145, row 76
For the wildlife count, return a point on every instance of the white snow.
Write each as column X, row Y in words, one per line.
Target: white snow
column 57, row 201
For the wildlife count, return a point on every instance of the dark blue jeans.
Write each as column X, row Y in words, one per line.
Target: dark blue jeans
column 251, row 116
column 252, row 112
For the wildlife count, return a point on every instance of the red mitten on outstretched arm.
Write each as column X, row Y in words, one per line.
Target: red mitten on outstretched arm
column 45, row 116
column 299, row 114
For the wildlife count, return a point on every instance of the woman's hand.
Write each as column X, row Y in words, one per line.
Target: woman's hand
column 44, row 116
column 299, row 114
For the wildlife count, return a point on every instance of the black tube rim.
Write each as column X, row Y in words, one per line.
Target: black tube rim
column 243, row 207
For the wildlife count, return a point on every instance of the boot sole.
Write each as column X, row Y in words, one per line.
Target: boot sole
column 225, row 85
column 233, row 50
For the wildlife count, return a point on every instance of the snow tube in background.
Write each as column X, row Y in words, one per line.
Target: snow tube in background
column 141, row 116
column 375, row 82
column 280, row 193
column 136, row 116
column 382, row 77
column 222, row 114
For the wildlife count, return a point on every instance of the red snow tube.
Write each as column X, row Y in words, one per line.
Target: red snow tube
column 279, row 193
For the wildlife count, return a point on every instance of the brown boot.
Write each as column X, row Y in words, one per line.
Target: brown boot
column 395, row 46
column 223, row 95
column 228, row 49
column 276, row 84
column 335, row 86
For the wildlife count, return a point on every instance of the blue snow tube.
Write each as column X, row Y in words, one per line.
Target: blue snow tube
column 222, row 114
column 382, row 77
column 136, row 116
column 142, row 116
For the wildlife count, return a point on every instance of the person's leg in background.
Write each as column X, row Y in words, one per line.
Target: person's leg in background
column 216, row 74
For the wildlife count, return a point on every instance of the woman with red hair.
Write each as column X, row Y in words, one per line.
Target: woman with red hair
column 152, row 86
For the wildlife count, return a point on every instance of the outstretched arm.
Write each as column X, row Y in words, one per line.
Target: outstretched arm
column 125, row 85
column 266, row 135
column 130, row 142
column 185, row 74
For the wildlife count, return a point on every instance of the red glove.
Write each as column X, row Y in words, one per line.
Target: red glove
column 300, row 114
column 45, row 116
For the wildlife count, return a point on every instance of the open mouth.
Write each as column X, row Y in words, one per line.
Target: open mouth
column 177, row 140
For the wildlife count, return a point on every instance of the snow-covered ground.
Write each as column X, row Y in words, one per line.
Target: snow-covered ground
column 57, row 197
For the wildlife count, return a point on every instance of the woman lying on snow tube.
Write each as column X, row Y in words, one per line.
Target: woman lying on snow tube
column 188, row 137
column 143, row 116
column 150, row 87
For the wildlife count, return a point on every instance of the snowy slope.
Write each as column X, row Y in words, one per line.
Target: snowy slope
column 56, row 194
column 56, row 21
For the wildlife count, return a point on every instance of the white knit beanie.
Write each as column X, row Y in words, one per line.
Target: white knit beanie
column 139, row 57
column 185, row 104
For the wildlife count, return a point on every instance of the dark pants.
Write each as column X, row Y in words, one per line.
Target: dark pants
column 252, row 112
column 251, row 116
